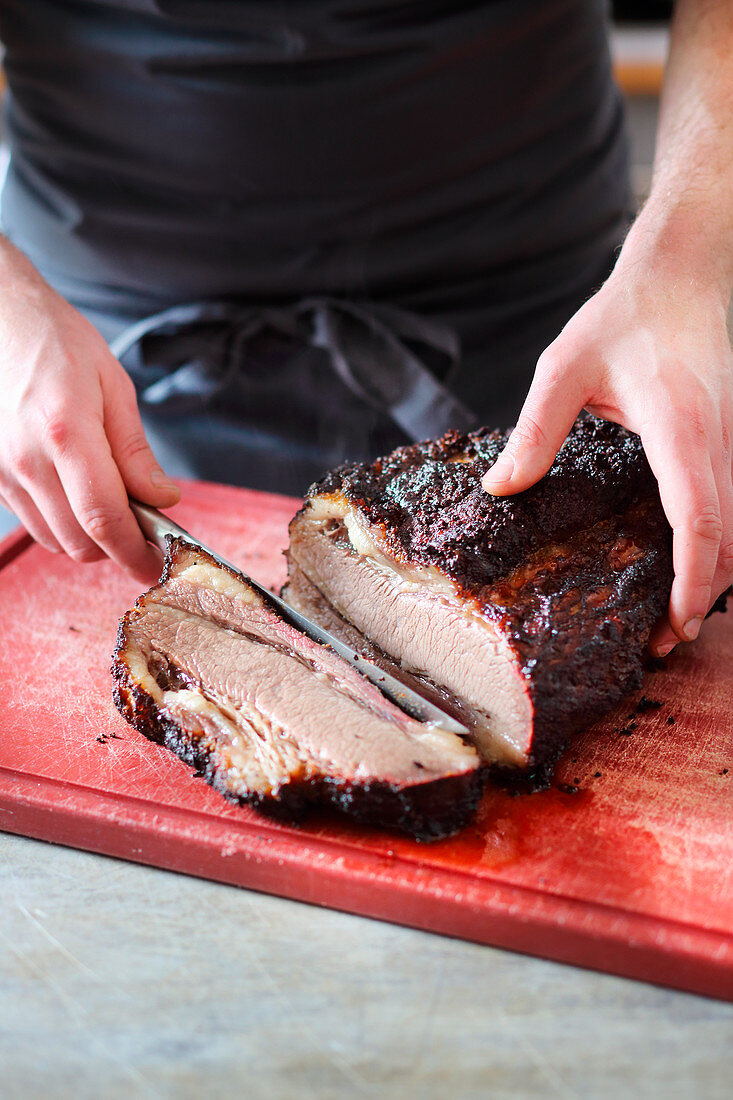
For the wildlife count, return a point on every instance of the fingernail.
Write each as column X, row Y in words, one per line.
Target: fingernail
column 663, row 650
column 160, row 479
column 691, row 629
column 502, row 469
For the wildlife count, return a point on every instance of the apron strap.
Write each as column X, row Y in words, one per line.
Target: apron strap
column 373, row 348
column 369, row 353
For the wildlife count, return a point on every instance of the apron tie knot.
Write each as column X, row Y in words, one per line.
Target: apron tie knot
column 187, row 354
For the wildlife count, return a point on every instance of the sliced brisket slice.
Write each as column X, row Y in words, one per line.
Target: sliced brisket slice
column 269, row 717
column 530, row 614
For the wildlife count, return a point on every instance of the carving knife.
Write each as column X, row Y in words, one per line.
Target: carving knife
column 158, row 528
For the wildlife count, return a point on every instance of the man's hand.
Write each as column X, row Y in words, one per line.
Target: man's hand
column 71, row 442
column 653, row 355
column 650, row 349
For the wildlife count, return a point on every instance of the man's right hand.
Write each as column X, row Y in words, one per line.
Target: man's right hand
column 72, row 445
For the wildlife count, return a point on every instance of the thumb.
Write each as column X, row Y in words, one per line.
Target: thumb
column 135, row 460
column 554, row 400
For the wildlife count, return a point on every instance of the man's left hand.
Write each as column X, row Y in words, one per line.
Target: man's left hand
column 651, row 352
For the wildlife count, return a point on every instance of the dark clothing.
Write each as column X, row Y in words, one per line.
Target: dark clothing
column 327, row 173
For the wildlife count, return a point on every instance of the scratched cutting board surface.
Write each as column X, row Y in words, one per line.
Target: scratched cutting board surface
column 632, row 874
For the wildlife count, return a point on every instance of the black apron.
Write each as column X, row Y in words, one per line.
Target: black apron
column 313, row 230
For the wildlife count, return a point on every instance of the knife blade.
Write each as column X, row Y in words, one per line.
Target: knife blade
column 158, row 528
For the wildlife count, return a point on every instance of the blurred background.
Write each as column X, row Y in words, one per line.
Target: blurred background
column 639, row 39
column 639, row 35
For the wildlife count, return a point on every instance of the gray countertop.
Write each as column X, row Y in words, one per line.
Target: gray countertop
column 119, row 981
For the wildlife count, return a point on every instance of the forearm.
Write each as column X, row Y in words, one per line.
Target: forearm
column 72, row 446
column 19, row 279
column 11, row 260
column 688, row 218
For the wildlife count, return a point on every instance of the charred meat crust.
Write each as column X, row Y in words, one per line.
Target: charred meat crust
column 575, row 571
column 579, row 614
column 427, row 811
column 432, row 510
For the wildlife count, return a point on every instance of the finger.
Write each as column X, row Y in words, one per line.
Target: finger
column 138, row 466
column 49, row 498
column 681, row 463
column 98, row 499
column 555, row 398
column 19, row 502
column 662, row 639
column 38, row 483
column 724, row 573
column 4, row 501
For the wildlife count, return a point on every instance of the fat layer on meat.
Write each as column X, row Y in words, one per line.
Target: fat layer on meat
column 415, row 615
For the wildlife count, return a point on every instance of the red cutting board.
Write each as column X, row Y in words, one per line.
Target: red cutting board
column 633, row 874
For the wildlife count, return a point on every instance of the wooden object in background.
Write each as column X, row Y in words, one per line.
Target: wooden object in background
column 639, row 55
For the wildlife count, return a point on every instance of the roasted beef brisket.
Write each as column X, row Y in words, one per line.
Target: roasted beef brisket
column 530, row 614
column 269, row 717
